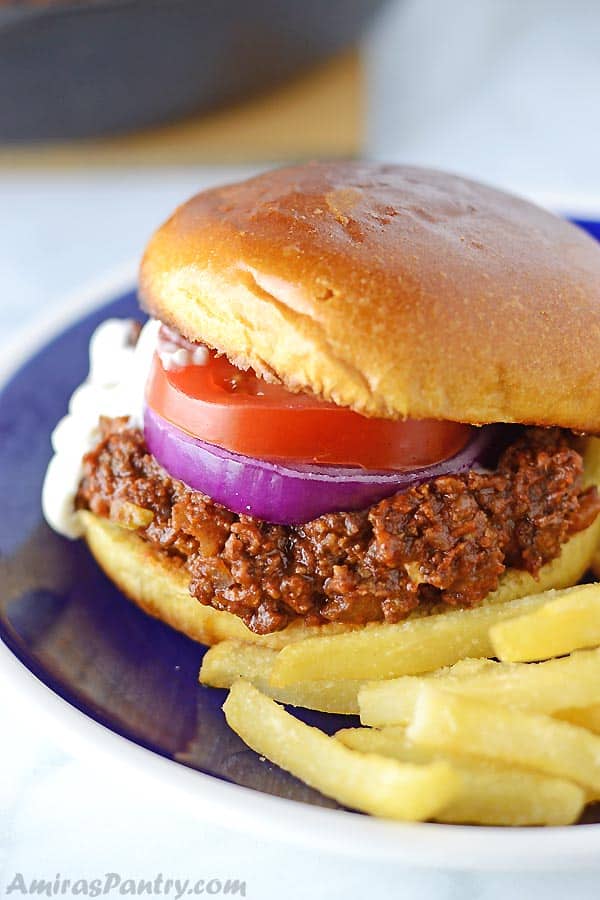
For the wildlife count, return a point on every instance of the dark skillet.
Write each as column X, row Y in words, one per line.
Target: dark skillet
column 78, row 69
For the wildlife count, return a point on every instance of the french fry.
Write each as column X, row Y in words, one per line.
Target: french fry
column 464, row 668
column 585, row 716
column 388, row 651
column 491, row 794
column 392, row 701
column 569, row 621
column 455, row 723
column 226, row 662
column 369, row 783
column 573, row 681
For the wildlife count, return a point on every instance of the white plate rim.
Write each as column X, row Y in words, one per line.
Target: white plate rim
column 467, row 848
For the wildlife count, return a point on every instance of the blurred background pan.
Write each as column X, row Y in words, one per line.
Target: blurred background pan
column 92, row 67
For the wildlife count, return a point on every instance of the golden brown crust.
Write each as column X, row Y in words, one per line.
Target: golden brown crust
column 394, row 290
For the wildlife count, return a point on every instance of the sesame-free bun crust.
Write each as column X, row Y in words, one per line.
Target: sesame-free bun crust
column 396, row 291
column 149, row 578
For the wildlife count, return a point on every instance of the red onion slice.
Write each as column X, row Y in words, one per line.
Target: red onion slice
column 288, row 494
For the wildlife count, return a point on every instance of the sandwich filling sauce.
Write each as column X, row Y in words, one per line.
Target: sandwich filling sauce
column 447, row 541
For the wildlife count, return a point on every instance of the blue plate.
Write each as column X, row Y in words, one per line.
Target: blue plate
column 72, row 628
column 68, row 623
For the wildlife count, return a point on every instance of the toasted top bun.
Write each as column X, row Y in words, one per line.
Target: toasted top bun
column 396, row 291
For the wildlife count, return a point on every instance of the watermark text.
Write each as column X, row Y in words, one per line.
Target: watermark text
column 111, row 883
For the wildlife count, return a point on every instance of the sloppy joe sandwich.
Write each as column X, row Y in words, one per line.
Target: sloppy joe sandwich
column 364, row 393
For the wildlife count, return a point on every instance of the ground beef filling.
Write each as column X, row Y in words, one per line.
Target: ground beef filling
column 448, row 541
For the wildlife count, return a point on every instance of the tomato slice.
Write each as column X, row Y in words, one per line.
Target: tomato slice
column 223, row 405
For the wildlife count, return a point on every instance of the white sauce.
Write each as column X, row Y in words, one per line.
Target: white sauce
column 114, row 387
column 173, row 356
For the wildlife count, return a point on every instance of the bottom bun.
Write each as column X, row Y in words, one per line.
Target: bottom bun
column 160, row 587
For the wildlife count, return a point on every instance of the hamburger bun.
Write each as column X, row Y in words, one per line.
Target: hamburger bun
column 395, row 291
column 160, row 587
